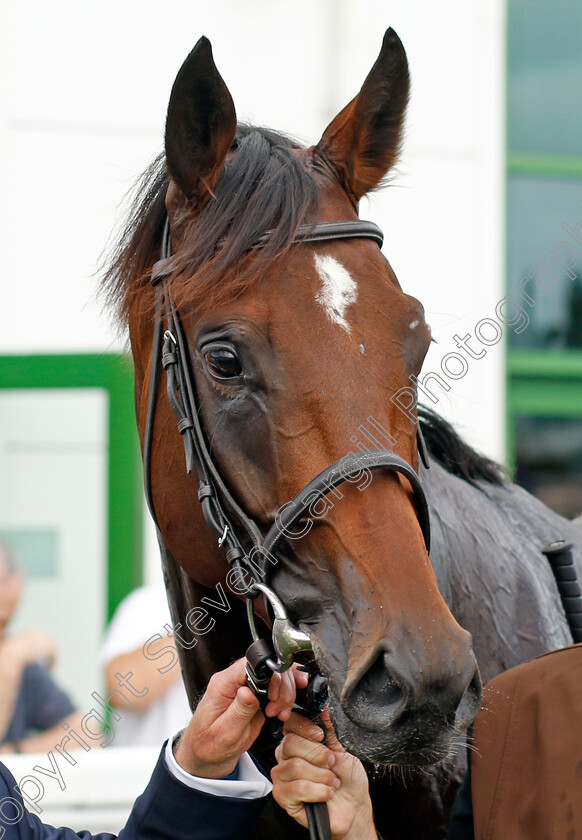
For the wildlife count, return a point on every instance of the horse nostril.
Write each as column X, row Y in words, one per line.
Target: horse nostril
column 377, row 698
column 394, row 688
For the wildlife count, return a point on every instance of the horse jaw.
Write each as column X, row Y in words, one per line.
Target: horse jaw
column 403, row 679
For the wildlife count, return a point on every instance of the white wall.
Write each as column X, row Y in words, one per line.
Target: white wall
column 84, row 92
column 99, row 789
column 54, row 483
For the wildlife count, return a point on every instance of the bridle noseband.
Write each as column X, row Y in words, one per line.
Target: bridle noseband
column 247, row 550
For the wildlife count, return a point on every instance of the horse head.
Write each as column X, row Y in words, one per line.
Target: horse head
column 295, row 349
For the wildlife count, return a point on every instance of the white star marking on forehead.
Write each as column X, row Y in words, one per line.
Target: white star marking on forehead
column 338, row 289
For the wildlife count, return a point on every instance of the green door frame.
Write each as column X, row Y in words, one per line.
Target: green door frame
column 539, row 383
column 112, row 372
column 542, row 384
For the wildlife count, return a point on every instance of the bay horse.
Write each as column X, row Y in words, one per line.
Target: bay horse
column 295, row 345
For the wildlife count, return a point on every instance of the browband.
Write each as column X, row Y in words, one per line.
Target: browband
column 322, row 232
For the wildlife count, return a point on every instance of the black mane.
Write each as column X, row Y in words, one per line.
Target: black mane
column 456, row 456
column 263, row 186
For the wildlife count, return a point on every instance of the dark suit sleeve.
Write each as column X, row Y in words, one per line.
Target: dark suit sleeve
column 166, row 810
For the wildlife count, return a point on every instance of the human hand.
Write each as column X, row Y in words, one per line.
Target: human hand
column 30, row 646
column 310, row 771
column 228, row 719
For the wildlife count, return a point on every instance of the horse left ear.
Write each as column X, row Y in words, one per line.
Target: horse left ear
column 363, row 141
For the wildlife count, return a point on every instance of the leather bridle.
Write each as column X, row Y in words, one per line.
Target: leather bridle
column 246, row 548
column 234, row 530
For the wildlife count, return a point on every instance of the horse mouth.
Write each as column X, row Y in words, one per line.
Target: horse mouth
column 415, row 741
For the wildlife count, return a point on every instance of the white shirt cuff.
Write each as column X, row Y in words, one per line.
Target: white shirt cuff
column 251, row 784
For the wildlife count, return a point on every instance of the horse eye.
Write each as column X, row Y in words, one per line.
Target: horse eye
column 223, row 363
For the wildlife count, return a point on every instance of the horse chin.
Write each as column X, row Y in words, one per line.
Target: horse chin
column 415, row 740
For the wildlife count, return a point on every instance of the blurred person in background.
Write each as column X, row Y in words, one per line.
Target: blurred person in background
column 142, row 672
column 33, row 709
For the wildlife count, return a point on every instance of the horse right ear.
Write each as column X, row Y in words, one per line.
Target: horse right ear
column 200, row 124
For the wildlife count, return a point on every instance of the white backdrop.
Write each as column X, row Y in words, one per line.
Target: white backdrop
column 84, row 89
column 54, row 480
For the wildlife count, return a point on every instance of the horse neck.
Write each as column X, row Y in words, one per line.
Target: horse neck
column 486, row 551
column 204, row 652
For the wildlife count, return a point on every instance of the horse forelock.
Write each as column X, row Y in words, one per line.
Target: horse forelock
column 264, row 186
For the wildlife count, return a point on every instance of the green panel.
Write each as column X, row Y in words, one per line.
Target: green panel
column 536, row 364
column 553, row 166
column 113, row 373
column 545, row 76
column 544, row 397
column 544, row 260
column 544, row 192
column 541, row 384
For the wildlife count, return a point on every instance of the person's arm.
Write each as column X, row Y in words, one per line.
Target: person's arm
column 146, row 677
column 16, row 654
column 46, row 709
column 167, row 810
column 224, row 725
column 10, row 678
column 16, row 823
column 40, row 742
column 310, row 771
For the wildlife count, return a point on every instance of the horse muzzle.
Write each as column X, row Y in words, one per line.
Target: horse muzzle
column 399, row 711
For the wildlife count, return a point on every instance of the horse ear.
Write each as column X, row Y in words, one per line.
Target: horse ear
column 200, row 124
column 363, row 141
